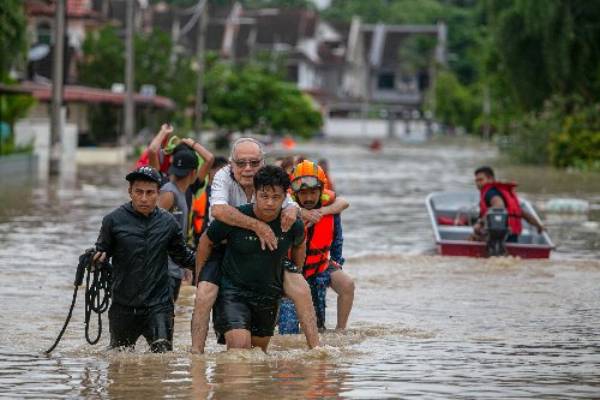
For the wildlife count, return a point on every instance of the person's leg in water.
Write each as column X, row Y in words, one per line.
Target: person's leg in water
column 343, row 285
column 318, row 287
column 206, row 295
column 125, row 328
column 260, row 341
column 158, row 329
column 297, row 289
column 238, row 339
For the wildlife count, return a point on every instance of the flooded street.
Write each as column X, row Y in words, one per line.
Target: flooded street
column 422, row 325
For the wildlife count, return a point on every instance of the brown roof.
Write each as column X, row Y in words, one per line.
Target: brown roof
column 75, row 8
column 90, row 95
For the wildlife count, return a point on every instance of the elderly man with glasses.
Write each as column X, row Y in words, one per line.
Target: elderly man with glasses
column 232, row 187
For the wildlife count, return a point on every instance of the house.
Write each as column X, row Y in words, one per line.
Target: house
column 352, row 70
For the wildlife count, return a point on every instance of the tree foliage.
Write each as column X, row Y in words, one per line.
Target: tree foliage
column 12, row 35
column 251, row 98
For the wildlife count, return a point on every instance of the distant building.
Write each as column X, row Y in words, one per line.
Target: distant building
column 343, row 66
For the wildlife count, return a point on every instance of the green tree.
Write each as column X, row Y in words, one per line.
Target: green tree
column 12, row 108
column 13, row 43
column 548, row 47
column 103, row 61
column 250, row 98
column 455, row 105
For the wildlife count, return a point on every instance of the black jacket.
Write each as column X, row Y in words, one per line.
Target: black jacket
column 139, row 246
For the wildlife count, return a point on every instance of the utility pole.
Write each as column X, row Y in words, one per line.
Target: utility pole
column 129, row 109
column 200, row 52
column 56, row 125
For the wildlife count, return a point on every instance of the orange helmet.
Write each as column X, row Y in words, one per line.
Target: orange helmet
column 308, row 174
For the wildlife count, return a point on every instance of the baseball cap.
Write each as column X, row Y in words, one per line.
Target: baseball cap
column 183, row 162
column 146, row 173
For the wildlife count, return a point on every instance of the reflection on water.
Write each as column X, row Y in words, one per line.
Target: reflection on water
column 422, row 324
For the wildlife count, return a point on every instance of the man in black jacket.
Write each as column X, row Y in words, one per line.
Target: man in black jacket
column 139, row 236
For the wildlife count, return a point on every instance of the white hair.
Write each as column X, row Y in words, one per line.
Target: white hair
column 246, row 140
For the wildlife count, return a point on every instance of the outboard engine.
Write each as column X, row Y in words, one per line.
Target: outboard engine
column 497, row 231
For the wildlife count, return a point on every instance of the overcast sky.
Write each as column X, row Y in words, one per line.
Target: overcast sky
column 321, row 3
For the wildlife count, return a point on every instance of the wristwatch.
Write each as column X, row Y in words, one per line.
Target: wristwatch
column 291, row 267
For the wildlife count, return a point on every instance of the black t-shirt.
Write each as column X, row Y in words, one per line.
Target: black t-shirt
column 248, row 268
column 493, row 192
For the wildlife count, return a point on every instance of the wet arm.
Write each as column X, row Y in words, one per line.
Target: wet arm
column 104, row 243
column 178, row 250
column 234, row 217
column 166, row 200
column 339, row 205
column 202, row 253
column 299, row 254
column 155, row 144
column 532, row 220
column 206, row 155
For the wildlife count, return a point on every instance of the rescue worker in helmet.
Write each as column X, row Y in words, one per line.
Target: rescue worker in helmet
column 496, row 194
column 324, row 241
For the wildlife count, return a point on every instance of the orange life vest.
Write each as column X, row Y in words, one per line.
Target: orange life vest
column 318, row 240
column 511, row 202
column 199, row 207
column 318, row 244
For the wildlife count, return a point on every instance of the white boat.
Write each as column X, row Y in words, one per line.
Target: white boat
column 452, row 215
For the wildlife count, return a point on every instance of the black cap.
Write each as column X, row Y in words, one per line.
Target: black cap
column 183, row 162
column 146, row 173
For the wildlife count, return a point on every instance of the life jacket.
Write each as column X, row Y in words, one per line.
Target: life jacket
column 511, row 202
column 199, row 208
column 318, row 243
column 318, row 240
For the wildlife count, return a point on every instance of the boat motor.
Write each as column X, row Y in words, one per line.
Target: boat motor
column 497, row 231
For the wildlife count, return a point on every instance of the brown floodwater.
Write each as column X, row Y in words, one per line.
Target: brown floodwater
column 422, row 325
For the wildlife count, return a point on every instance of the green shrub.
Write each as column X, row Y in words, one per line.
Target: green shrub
column 455, row 104
column 566, row 133
column 577, row 144
column 528, row 137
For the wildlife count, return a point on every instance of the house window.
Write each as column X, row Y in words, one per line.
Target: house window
column 386, row 81
column 44, row 33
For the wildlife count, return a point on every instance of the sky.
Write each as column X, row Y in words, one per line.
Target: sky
column 321, row 3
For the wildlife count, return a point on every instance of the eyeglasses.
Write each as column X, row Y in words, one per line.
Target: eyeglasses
column 244, row 163
column 305, row 182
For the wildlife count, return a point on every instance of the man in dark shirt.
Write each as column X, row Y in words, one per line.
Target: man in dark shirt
column 139, row 236
column 251, row 284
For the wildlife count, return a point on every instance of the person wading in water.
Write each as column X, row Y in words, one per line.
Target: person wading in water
column 139, row 237
column 251, row 280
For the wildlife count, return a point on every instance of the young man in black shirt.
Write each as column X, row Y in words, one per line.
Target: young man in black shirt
column 251, row 284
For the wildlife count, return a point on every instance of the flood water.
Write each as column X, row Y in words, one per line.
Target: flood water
column 422, row 325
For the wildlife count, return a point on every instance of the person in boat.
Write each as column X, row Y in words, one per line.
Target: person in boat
column 139, row 237
column 324, row 241
column 496, row 194
column 251, row 279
